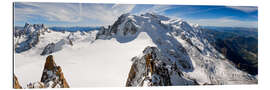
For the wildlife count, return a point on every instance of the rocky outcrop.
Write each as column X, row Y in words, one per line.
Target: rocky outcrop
column 54, row 47
column 52, row 75
column 48, row 49
column 115, row 27
column 35, row 85
column 152, row 70
column 104, row 33
column 16, row 84
column 130, row 28
column 123, row 26
column 31, row 34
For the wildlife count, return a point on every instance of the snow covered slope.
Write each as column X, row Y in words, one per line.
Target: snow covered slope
column 179, row 43
column 86, row 63
column 167, row 52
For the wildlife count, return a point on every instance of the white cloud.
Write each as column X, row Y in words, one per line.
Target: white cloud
column 246, row 9
column 105, row 13
column 159, row 9
column 71, row 12
column 51, row 11
column 224, row 22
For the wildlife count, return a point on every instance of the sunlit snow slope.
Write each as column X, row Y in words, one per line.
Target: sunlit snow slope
column 85, row 64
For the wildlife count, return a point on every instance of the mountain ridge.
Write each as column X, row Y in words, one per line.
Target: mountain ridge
column 190, row 36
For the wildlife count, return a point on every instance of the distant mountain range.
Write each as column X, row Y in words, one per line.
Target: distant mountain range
column 70, row 29
column 219, row 28
column 88, row 28
column 74, row 29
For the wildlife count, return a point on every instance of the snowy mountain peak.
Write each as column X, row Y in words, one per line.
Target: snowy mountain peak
column 154, row 69
column 28, row 28
column 181, row 44
column 30, row 36
column 155, row 16
column 128, row 24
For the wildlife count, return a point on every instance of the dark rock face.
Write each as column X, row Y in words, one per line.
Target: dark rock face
column 119, row 21
column 54, row 47
column 151, row 70
column 161, row 77
column 123, row 26
column 48, row 49
column 129, row 28
column 103, row 33
column 31, row 33
column 52, row 75
column 28, row 44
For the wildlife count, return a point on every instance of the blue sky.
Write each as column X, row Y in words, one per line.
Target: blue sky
column 90, row 14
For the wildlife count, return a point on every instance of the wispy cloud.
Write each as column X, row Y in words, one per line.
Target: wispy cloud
column 105, row 13
column 246, row 9
column 159, row 9
column 90, row 14
column 50, row 11
column 70, row 12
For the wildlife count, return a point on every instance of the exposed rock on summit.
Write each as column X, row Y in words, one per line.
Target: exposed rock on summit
column 152, row 70
column 31, row 34
column 54, row 47
column 52, row 75
column 123, row 26
column 48, row 49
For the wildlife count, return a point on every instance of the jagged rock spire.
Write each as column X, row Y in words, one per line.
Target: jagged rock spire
column 151, row 70
column 52, row 75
